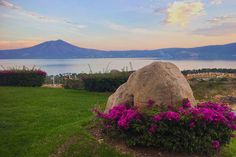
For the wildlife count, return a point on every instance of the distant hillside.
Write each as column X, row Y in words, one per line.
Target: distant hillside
column 50, row 49
column 60, row 49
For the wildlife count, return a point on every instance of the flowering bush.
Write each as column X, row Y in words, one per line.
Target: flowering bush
column 202, row 129
column 22, row 77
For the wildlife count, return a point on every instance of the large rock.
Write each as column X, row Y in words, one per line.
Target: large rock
column 161, row 82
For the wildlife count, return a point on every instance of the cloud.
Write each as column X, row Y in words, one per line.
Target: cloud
column 75, row 24
column 123, row 28
column 7, row 4
column 222, row 19
column 217, row 30
column 219, row 25
column 180, row 13
column 33, row 15
column 216, row 2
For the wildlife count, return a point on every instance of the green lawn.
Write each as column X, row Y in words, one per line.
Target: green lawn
column 34, row 122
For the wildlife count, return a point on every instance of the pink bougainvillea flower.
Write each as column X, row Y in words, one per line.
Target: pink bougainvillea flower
column 192, row 125
column 152, row 129
column 215, row 144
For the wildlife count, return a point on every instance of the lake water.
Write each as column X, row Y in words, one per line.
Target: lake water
column 57, row 66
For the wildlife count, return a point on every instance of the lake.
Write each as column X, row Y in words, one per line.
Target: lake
column 59, row 66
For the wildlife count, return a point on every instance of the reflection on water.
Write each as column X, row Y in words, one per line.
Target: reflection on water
column 56, row 66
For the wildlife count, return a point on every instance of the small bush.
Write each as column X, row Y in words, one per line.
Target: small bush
column 203, row 129
column 108, row 82
column 22, row 77
column 73, row 84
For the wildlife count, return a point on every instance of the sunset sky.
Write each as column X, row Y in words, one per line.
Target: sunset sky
column 118, row 24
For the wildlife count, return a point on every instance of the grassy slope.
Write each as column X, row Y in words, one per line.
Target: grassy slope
column 35, row 121
column 206, row 90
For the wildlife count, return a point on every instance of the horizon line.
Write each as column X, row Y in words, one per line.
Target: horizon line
column 117, row 49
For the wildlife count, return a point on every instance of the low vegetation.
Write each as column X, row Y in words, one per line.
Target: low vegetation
column 22, row 77
column 203, row 129
column 77, row 83
column 208, row 70
column 106, row 82
column 215, row 89
column 110, row 81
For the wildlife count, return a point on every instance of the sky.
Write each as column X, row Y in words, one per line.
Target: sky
column 118, row 24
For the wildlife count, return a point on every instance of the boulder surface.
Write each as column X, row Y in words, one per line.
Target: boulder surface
column 161, row 82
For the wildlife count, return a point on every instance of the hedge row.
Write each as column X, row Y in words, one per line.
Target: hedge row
column 30, row 78
column 107, row 82
column 208, row 70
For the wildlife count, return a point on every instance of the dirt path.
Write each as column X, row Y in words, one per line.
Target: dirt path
column 62, row 148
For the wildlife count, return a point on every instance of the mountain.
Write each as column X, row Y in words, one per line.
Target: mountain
column 60, row 49
column 50, row 49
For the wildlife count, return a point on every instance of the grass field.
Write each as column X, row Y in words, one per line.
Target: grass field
column 39, row 122
column 34, row 122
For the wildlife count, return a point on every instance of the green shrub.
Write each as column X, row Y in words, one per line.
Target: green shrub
column 208, row 70
column 22, row 77
column 73, row 83
column 108, row 82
